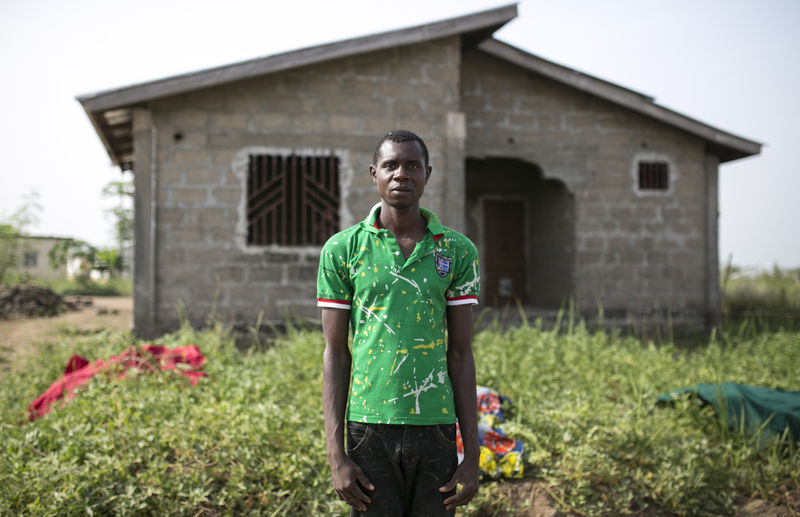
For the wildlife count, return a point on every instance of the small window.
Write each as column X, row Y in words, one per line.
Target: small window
column 31, row 258
column 292, row 200
column 653, row 176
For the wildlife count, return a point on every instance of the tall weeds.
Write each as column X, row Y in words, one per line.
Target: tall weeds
column 249, row 439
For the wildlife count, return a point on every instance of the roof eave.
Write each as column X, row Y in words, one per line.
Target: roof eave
column 726, row 145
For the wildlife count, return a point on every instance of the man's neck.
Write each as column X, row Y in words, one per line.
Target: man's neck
column 402, row 221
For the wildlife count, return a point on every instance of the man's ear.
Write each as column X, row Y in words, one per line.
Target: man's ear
column 428, row 170
column 372, row 171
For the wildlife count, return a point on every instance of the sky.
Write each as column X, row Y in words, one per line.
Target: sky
column 732, row 64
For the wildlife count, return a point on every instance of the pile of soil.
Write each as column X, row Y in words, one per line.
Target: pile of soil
column 30, row 301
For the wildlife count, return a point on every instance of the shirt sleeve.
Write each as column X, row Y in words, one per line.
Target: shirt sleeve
column 334, row 288
column 466, row 283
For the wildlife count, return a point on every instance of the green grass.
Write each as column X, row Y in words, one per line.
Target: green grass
column 249, row 439
column 110, row 287
column 768, row 300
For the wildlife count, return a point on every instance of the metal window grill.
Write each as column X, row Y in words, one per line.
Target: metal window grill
column 653, row 176
column 292, row 200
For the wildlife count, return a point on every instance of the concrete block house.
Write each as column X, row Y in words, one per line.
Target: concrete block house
column 573, row 188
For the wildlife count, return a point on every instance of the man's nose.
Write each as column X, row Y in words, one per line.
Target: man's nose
column 401, row 172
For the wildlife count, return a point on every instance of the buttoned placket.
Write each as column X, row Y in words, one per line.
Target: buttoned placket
column 398, row 262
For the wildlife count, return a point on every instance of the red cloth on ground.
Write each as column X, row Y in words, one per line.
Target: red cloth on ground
column 146, row 358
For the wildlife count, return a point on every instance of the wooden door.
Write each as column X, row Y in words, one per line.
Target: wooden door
column 503, row 269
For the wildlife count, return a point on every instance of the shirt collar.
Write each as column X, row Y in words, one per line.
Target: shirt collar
column 434, row 226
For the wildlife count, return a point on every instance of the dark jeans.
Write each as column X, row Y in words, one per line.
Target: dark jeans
column 407, row 464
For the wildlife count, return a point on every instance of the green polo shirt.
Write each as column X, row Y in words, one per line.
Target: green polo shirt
column 397, row 316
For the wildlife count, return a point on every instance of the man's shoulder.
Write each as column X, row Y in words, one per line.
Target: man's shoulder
column 456, row 240
column 343, row 237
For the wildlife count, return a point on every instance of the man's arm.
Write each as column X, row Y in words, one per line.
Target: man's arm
column 461, row 368
column 335, row 385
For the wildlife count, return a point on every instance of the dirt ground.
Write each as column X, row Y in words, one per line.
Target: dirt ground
column 18, row 336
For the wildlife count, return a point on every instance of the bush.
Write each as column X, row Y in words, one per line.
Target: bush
column 769, row 299
column 110, row 287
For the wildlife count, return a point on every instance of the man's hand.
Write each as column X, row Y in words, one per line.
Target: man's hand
column 467, row 476
column 346, row 478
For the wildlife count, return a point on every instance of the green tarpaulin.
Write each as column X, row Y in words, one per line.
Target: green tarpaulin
column 775, row 410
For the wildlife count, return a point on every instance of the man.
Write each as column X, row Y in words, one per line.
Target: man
column 398, row 279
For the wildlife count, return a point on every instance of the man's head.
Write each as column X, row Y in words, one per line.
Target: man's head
column 399, row 136
column 401, row 169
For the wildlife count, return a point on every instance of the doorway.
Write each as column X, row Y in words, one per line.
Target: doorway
column 504, row 251
column 524, row 227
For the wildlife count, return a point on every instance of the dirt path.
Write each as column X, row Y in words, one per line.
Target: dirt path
column 18, row 337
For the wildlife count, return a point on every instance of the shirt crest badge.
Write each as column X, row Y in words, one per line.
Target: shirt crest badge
column 442, row 264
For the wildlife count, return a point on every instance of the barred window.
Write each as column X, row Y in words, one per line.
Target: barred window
column 292, row 200
column 653, row 176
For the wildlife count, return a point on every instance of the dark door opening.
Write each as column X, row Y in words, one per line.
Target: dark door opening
column 504, row 245
column 525, row 231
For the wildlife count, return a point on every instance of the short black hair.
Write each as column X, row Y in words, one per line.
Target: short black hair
column 398, row 136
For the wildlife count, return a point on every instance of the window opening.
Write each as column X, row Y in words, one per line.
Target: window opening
column 653, row 176
column 31, row 259
column 292, row 200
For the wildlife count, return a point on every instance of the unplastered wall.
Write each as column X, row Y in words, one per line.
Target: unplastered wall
column 634, row 252
column 201, row 143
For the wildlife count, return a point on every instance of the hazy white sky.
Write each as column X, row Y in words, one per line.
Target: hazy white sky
column 730, row 63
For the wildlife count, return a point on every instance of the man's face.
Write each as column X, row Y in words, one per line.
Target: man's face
column 401, row 173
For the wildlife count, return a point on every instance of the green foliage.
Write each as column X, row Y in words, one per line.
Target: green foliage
column 68, row 249
column 102, row 260
column 769, row 300
column 9, row 251
column 111, row 287
column 585, row 411
column 12, row 227
column 249, row 439
column 122, row 213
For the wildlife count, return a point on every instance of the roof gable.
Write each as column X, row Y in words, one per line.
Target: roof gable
column 109, row 111
column 726, row 145
column 478, row 25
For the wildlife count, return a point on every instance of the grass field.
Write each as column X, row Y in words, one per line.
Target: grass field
column 766, row 301
column 249, row 440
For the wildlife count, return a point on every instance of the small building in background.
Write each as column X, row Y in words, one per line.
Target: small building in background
column 34, row 261
column 573, row 188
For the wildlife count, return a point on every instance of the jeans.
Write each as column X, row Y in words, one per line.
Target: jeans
column 407, row 464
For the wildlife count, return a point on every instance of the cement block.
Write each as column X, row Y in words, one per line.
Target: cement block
column 301, row 273
column 206, row 176
column 228, row 273
column 228, row 121
column 227, row 196
column 308, row 123
column 189, row 119
column 171, row 175
column 206, row 216
column 189, row 158
column 188, row 195
column 344, row 123
column 269, row 121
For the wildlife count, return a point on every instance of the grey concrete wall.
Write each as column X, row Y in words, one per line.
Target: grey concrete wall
column 204, row 138
column 635, row 252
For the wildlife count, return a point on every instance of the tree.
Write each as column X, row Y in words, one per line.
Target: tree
column 12, row 228
column 67, row 250
column 122, row 214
